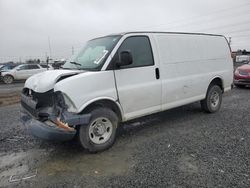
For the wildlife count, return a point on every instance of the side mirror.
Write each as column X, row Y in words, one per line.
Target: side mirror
column 125, row 58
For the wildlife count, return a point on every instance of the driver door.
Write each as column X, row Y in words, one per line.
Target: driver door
column 138, row 84
column 22, row 72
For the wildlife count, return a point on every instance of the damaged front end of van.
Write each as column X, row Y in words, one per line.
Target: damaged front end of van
column 47, row 115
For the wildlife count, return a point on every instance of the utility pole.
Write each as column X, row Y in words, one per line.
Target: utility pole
column 49, row 47
column 73, row 50
column 230, row 41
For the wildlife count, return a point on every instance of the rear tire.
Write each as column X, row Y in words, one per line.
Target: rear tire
column 100, row 133
column 8, row 79
column 212, row 102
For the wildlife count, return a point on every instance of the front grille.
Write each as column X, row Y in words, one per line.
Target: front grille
column 246, row 81
column 29, row 104
column 43, row 99
column 29, row 109
column 35, row 103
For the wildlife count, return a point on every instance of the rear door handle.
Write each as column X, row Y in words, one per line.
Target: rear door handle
column 157, row 73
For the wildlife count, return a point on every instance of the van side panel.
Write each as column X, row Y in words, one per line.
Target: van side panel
column 188, row 65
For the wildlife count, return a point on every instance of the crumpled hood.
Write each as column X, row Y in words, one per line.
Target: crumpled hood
column 45, row 81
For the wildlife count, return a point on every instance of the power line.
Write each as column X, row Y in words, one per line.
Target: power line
column 49, row 47
column 241, row 36
column 203, row 22
column 200, row 16
column 238, row 31
column 224, row 26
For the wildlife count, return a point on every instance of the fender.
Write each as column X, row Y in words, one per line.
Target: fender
column 99, row 99
column 217, row 76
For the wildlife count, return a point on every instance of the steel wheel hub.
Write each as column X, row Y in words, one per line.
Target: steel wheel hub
column 7, row 79
column 100, row 130
column 214, row 99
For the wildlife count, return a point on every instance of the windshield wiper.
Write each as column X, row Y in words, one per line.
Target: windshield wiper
column 75, row 63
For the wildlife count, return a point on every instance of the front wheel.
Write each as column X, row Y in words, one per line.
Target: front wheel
column 213, row 99
column 100, row 133
column 8, row 79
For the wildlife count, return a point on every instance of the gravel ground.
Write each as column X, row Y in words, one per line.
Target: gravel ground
column 182, row 147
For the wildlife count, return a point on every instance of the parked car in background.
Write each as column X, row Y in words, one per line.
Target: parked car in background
column 22, row 72
column 47, row 66
column 58, row 63
column 242, row 76
column 243, row 58
column 6, row 67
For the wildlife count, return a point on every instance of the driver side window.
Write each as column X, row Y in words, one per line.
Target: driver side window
column 24, row 67
column 141, row 51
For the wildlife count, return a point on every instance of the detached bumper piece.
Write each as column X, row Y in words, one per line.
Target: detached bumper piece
column 46, row 130
column 45, row 123
column 242, row 81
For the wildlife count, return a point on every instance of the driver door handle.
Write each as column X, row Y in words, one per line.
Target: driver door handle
column 157, row 73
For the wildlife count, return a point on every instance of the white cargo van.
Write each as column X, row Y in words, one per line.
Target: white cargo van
column 120, row 77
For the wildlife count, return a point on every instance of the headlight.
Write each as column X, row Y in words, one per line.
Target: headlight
column 65, row 102
column 243, row 73
column 71, row 106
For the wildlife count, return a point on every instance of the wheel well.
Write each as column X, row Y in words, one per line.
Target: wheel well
column 217, row 81
column 104, row 103
column 9, row 75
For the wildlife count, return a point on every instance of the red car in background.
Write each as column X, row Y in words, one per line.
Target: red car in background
column 242, row 76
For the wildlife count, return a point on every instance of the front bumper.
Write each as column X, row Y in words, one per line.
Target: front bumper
column 50, row 123
column 44, row 130
column 242, row 81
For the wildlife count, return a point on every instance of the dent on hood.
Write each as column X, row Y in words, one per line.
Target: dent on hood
column 45, row 81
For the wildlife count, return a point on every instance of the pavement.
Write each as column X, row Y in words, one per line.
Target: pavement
column 10, row 88
column 182, row 147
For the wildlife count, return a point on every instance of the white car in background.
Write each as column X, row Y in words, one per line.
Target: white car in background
column 24, row 71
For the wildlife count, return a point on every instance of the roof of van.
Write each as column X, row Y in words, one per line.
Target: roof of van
column 186, row 33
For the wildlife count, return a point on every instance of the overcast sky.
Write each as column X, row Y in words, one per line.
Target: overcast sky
column 26, row 25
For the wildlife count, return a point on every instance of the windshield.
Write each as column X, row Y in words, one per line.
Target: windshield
column 7, row 67
column 93, row 55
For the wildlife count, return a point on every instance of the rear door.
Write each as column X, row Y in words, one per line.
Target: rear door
column 34, row 69
column 138, row 84
column 22, row 72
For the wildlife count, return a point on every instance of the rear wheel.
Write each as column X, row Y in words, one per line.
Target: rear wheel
column 100, row 133
column 8, row 79
column 212, row 102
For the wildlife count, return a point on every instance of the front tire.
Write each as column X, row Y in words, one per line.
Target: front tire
column 212, row 102
column 8, row 79
column 100, row 133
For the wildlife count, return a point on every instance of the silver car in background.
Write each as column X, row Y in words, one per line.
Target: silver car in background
column 24, row 71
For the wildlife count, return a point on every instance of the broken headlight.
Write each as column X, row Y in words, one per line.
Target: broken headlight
column 65, row 102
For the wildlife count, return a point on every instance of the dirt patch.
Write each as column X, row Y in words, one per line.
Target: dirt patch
column 108, row 163
column 188, row 165
column 9, row 98
column 17, row 164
